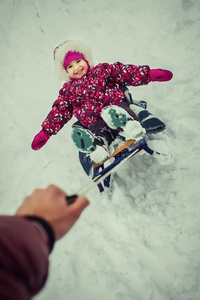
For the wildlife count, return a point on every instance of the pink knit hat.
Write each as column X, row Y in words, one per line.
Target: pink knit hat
column 72, row 55
column 61, row 52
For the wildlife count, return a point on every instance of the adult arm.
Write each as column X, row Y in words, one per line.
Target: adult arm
column 24, row 251
column 27, row 238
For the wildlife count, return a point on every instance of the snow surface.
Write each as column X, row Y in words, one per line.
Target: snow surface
column 143, row 241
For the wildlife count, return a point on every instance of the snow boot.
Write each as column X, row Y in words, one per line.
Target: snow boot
column 147, row 120
column 87, row 142
column 118, row 118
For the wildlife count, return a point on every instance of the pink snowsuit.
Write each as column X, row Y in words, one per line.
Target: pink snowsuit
column 86, row 97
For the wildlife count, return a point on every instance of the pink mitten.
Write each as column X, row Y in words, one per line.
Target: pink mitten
column 160, row 75
column 40, row 140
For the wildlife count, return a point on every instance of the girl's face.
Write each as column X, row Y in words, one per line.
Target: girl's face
column 77, row 68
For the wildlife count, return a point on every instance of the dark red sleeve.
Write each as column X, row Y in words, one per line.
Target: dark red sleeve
column 23, row 258
column 128, row 74
column 60, row 114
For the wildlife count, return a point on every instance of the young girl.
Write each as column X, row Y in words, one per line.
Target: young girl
column 93, row 94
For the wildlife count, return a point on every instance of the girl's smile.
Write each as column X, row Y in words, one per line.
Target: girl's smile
column 77, row 68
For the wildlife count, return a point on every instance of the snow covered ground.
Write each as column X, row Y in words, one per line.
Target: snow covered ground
column 143, row 242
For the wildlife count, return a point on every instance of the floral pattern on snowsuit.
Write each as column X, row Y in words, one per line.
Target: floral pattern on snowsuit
column 86, row 97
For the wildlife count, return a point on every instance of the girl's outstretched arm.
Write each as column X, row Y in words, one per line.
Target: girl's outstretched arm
column 135, row 75
column 60, row 114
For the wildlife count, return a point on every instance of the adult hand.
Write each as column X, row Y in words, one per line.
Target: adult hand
column 40, row 140
column 50, row 204
column 160, row 75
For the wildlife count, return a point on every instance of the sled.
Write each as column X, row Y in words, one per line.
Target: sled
column 101, row 174
column 124, row 150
